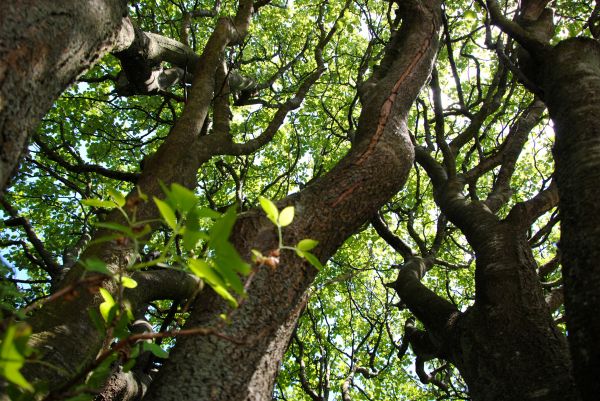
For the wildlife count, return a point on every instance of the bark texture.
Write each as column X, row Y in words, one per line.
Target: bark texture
column 506, row 345
column 244, row 365
column 572, row 89
column 44, row 46
column 568, row 75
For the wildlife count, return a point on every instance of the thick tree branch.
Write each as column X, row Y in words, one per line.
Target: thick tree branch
column 529, row 41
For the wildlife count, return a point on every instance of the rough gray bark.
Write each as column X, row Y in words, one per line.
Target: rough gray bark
column 44, row 46
column 244, row 367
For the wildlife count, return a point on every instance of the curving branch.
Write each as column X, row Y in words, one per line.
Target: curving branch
column 50, row 265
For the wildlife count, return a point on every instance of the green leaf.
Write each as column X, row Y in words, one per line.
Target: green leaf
column 207, row 213
column 116, row 197
column 231, row 278
column 167, row 213
column 142, row 195
column 286, row 217
column 97, row 320
column 256, row 255
column 155, row 349
column 307, row 244
column 269, row 208
column 183, row 197
column 312, row 259
column 11, row 359
column 127, row 366
column 115, row 227
column 128, row 282
column 221, row 229
column 108, row 304
column 470, row 15
column 226, row 254
column 191, row 238
column 95, row 265
column 98, row 203
column 101, row 373
column 226, row 296
column 203, row 270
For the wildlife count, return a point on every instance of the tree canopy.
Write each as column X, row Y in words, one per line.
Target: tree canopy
column 303, row 200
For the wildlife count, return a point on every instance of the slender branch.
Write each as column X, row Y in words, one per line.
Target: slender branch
column 392, row 240
column 50, row 265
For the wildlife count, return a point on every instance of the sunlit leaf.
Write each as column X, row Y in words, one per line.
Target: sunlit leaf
column 286, row 216
column 269, row 208
column 167, row 213
column 128, row 282
column 312, row 259
column 108, row 304
column 307, row 244
column 183, row 197
column 98, row 203
column 95, row 265
column 11, row 360
column 116, row 197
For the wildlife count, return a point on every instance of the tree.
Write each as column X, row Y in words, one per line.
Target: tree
column 447, row 158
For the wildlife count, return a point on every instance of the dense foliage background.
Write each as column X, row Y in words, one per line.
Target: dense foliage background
column 349, row 337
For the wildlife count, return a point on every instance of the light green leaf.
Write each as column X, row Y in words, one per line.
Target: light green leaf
column 269, row 208
column 95, row 265
column 203, row 270
column 183, row 197
column 207, row 212
column 142, row 195
column 11, row 360
column 107, row 305
column 167, row 213
column 286, row 217
column 115, row 227
column 470, row 15
column 312, row 259
column 256, row 255
column 116, row 197
column 307, row 244
column 128, row 282
column 226, row 296
column 98, row 203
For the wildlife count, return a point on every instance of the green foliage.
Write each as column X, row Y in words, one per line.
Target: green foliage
column 13, row 351
column 351, row 319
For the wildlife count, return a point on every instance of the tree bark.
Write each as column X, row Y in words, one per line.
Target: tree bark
column 571, row 82
column 244, row 365
column 568, row 75
column 44, row 46
column 506, row 346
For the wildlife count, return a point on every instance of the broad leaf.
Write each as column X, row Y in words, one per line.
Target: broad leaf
column 167, row 213
column 269, row 208
column 286, row 216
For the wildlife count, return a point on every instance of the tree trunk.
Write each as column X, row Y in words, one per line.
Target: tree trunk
column 242, row 363
column 44, row 46
column 571, row 82
column 506, row 346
